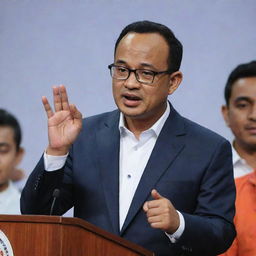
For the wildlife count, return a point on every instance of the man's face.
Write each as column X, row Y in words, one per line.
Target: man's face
column 240, row 115
column 145, row 102
column 9, row 156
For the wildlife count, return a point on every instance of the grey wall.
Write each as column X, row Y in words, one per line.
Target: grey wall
column 49, row 42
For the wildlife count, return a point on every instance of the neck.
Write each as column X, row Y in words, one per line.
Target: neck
column 140, row 124
column 137, row 126
column 248, row 154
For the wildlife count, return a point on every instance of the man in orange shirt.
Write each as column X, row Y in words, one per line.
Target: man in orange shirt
column 240, row 115
column 245, row 219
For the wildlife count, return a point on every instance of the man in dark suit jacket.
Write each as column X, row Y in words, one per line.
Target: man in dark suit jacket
column 143, row 171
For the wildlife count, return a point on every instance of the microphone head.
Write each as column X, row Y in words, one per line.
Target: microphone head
column 56, row 193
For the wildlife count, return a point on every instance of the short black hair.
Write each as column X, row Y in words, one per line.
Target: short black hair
column 175, row 46
column 7, row 119
column 241, row 71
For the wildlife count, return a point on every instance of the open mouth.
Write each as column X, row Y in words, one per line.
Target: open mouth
column 128, row 97
column 131, row 100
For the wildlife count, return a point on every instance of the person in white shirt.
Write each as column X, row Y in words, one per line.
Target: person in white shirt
column 10, row 200
column 11, row 154
column 240, row 116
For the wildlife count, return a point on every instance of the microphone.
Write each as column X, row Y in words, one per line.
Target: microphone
column 55, row 195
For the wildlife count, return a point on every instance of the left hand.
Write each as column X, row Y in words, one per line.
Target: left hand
column 161, row 213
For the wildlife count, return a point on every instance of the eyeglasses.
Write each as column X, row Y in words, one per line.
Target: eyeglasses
column 144, row 76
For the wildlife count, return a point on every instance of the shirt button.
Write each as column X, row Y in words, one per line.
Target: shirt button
column 129, row 176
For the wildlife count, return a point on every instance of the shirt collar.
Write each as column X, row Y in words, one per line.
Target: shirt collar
column 156, row 127
column 252, row 178
column 235, row 156
column 4, row 194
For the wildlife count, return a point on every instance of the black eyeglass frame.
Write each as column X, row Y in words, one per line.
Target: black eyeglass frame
column 155, row 73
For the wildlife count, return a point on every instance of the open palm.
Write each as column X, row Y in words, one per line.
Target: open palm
column 64, row 124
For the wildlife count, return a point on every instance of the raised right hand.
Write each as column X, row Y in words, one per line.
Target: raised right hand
column 64, row 124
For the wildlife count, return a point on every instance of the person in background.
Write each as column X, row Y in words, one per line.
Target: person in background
column 142, row 171
column 240, row 115
column 19, row 178
column 11, row 154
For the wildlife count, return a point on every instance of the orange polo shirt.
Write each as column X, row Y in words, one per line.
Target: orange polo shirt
column 245, row 218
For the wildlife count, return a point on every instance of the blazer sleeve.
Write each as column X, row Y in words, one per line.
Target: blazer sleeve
column 210, row 229
column 37, row 195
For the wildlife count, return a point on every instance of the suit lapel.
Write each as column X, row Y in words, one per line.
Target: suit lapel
column 169, row 144
column 108, row 141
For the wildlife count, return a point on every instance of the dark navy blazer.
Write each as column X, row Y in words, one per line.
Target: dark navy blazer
column 190, row 165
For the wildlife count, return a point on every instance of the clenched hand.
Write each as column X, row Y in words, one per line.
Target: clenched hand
column 161, row 213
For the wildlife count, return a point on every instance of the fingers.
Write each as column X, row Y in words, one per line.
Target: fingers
column 47, row 107
column 145, row 207
column 60, row 98
column 64, row 97
column 57, row 98
column 158, row 210
column 74, row 112
column 154, row 203
column 156, row 221
column 161, row 213
column 158, row 213
column 154, row 206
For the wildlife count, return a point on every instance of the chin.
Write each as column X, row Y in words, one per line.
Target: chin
column 252, row 146
column 130, row 112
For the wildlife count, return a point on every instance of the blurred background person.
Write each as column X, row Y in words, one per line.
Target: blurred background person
column 240, row 115
column 11, row 154
column 18, row 178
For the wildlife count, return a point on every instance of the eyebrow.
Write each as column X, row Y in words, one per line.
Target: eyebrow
column 141, row 64
column 243, row 98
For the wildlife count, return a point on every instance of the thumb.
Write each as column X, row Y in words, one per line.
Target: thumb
column 155, row 194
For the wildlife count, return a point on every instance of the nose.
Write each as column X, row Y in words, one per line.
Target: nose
column 131, row 82
column 252, row 113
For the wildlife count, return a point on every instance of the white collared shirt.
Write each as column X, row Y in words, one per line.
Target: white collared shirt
column 10, row 200
column 134, row 155
column 240, row 166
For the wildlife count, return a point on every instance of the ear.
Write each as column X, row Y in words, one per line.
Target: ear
column 225, row 112
column 174, row 82
column 19, row 155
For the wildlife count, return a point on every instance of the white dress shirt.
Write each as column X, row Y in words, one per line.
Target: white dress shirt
column 240, row 166
column 134, row 155
column 10, row 200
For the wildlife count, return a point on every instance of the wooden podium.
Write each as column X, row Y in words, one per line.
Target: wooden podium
column 37, row 235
